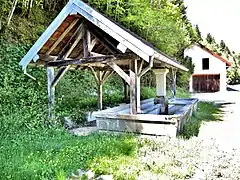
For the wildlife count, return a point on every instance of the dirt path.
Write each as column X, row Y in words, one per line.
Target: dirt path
column 225, row 133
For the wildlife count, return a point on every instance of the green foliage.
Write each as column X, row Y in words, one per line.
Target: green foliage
column 182, row 93
column 234, row 71
column 206, row 112
column 199, row 34
column 223, row 50
column 210, row 39
column 161, row 23
column 183, row 77
column 147, row 93
column 22, row 99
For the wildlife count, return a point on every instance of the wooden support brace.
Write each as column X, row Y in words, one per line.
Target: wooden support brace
column 106, row 75
column 75, row 35
column 100, row 78
column 59, row 76
column 94, row 74
column 104, row 42
column 63, row 70
column 119, row 71
column 140, row 67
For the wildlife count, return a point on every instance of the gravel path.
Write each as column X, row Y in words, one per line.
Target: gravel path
column 214, row 154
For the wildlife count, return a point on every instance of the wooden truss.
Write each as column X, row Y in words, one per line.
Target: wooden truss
column 94, row 61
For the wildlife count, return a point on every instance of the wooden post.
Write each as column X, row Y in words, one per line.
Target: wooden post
column 86, row 41
column 174, row 77
column 51, row 92
column 100, row 78
column 137, row 86
column 133, row 99
column 126, row 91
column 100, row 93
column 133, row 105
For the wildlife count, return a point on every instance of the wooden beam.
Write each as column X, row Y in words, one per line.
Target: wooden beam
column 78, row 38
column 100, row 78
column 96, row 54
column 89, row 60
column 106, row 75
column 62, row 36
column 137, row 86
column 93, row 43
column 140, row 66
column 82, row 61
column 51, row 92
column 104, row 42
column 58, row 77
column 62, row 54
column 174, row 82
column 100, row 92
column 94, row 74
column 65, row 69
column 119, row 71
column 86, row 42
column 133, row 108
column 149, row 67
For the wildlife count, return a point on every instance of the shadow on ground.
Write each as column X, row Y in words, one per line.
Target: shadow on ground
column 206, row 112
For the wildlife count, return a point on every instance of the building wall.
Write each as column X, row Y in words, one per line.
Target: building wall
column 216, row 66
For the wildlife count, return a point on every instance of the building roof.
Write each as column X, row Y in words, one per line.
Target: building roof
column 110, row 38
column 228, row 63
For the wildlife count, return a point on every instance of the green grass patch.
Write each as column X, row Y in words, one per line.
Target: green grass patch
column 51, row 153
column 206, row 112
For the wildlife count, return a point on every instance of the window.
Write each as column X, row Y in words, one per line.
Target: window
column 205, row 63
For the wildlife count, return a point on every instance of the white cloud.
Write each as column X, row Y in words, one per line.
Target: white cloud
column 219, row 17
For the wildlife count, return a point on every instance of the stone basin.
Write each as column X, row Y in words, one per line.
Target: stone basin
column 150, row 121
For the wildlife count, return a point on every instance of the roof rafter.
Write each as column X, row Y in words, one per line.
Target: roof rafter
column 89, row 60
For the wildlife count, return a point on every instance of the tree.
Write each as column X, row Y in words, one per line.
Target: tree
column 210, row 39
column 199, row 34
column 222, row 46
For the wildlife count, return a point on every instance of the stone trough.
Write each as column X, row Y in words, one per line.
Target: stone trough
column 150, row 122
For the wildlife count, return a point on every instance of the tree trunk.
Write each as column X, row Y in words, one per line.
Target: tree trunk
column 11, row 12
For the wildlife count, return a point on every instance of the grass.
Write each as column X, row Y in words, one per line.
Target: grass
column 206, row 112
column 38, row 153
column 46, row 155
column 55, row 154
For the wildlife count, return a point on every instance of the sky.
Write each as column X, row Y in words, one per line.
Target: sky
column 221, row 18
